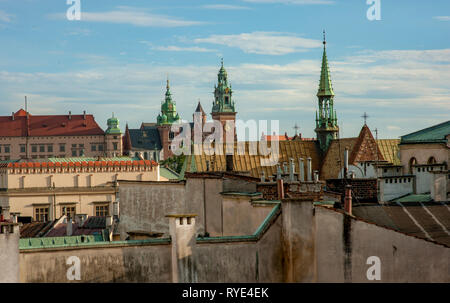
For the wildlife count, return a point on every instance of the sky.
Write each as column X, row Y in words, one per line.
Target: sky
column 117, row 58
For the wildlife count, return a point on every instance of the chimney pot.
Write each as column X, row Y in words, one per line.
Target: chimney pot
column 301, row 168
column 309, row 168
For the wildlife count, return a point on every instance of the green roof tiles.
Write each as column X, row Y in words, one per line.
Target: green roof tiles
column 433, row 134
column 168, row 173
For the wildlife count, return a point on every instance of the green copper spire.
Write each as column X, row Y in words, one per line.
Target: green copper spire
column 113, row 125
column 169, row 113
column 223, row 102
column 325, row 87
column 326, row 118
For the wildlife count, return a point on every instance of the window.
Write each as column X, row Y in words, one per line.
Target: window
column 146, row 156
column 22, row 148
column 171, row 135
column 81, row 145
column 50, row 148
column 102, row 210
column 74, row 145
column 100, row 147
column 74, row 152
column 34, row 148
column 81, row 152
column 114, row 145
column 68, row 211
column 42, row 148
column 41, row 214
column 431, row 160
column 7, row 149
column 62, row 147
column 115, row 137
column 226, row 99
column 93, row 147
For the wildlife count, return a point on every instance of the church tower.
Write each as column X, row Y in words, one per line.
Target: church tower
column 166, row 118
column 223, row 105
column 326, row 120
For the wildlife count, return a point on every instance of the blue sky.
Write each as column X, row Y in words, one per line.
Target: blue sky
column 117, row 57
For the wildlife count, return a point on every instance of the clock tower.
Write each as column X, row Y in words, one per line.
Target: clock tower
column 223, row 109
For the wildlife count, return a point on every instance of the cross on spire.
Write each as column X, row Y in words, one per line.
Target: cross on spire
column 296, row 127
column 324, row 40
column 365, row 116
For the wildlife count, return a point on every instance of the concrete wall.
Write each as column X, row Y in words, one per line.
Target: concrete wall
column 440, row 186
column 9, row 253
column 424, row 177
column 245, row 261
column 395, row 187
column 344, row 244
column 128, row 263
column 241, row 217
column 144, row 206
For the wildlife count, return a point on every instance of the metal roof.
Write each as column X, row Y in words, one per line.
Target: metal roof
column 433, row 134
column 146, row 138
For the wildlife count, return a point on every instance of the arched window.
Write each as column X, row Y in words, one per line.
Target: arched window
column 146, row 156
column 412, row 162
column 431, row 160
column 136, row 154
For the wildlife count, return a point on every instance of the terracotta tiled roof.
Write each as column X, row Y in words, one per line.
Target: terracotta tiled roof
column 49, row 125
column 389, row 149
column 252, row 164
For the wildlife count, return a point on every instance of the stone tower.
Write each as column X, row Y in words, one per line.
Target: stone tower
column 326, row 120
column 223, row 106
column 113, row 138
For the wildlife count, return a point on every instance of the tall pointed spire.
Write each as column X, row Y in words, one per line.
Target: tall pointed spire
column 223, row 101
column 326, row 118
column 325, row 87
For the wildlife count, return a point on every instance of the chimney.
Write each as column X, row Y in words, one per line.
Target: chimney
column 80, row 219
column 70, row 115
column 263, row 177
column 84, row 115
column 348, row 200
column 278, row 171
column 285, row 168
column 69, row 227
column 109, row 221
column 309, row 168
column 280, row 189
column 229, row 160
column 346, row 163
column 291, row 169
column 316, row 176
column 12, row 116
column 301, row 168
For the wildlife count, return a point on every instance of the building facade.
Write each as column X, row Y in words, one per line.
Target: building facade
column 26, row 136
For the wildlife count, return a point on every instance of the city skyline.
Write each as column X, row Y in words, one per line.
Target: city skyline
column 117, row 59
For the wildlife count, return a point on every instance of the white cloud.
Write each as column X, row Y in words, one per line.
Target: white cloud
column 442, row 18
column 173, row 48
column 4, row 17
column 133, row 16
column 409, row 87
column 267, row 43
column 301, row 2
column 224, row 7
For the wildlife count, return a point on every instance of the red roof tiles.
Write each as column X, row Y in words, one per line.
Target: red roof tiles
column 48, row 125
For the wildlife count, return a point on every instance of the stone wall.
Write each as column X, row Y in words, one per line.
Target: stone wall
column 9, row 253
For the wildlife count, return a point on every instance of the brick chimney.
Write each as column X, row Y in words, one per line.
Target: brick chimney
column 280, row 189
column 348, row 200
